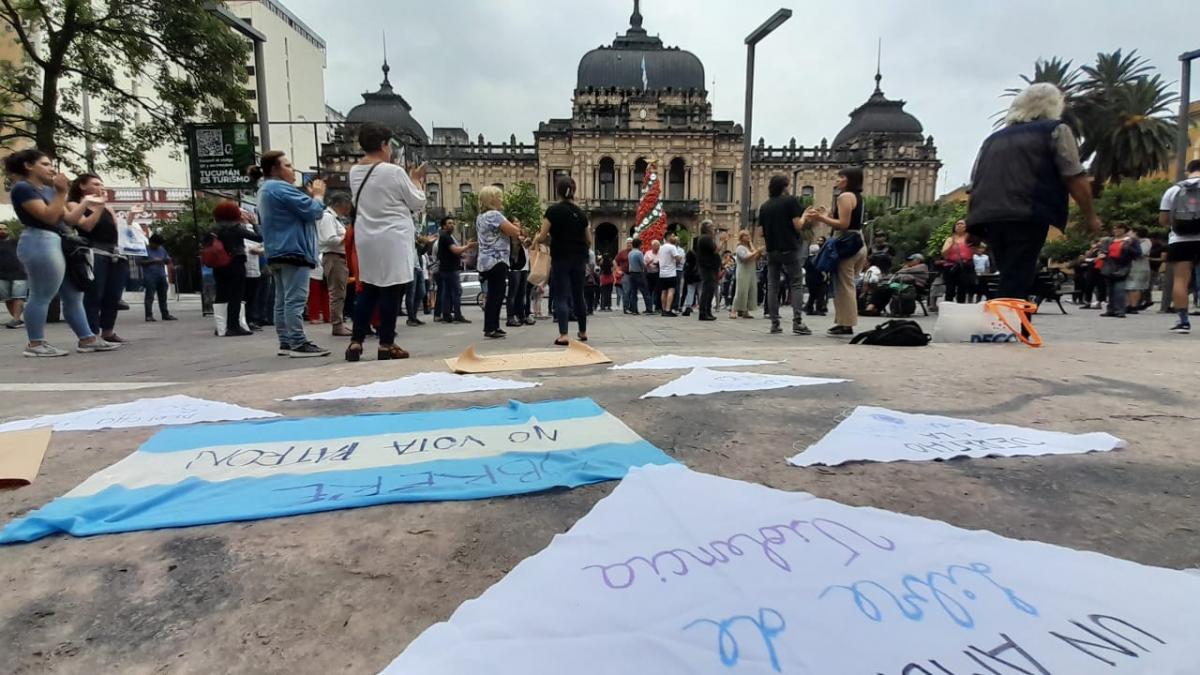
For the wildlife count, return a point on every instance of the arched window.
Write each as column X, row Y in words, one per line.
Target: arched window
column 464, row 189
column 675, row 180
column 607, row 179
column 638, row 175
column 433, row 195
column 807, row 191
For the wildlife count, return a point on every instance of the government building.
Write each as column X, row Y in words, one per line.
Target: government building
column 637, row 102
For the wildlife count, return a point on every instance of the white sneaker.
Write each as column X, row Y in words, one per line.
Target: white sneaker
column 44, row 350
column 99, row 345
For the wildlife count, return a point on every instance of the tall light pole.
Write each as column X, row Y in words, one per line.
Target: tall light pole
column 753, row 39
column 1185, row 102
column 260, row 72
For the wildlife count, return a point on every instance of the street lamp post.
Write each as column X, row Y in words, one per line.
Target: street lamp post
column 1185, row 86
column 753, row 39
column 260, row 73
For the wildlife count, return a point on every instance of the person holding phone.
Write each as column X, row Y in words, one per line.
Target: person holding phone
column 39, row 198
column 387, row 198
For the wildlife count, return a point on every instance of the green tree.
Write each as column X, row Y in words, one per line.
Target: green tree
column 182, row 237
column 1120, row 109
column 521, row 202
column 919, row 229
column 148, row 68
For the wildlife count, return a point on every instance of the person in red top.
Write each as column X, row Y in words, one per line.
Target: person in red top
column 607, row 278
column 958, row 264
column 622, row 271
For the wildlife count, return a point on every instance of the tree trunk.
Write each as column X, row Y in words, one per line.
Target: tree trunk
column 59, row 41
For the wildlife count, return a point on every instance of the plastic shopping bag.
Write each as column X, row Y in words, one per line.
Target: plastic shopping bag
column 991, row 322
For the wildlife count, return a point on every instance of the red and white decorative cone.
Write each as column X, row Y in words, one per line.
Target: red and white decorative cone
column 651, row 220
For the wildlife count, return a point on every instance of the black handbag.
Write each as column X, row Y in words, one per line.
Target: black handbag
column 80, row 264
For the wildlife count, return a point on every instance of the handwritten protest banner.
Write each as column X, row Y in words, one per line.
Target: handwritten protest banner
column 247, row 471
column 144, row 412
column 882, row 435
column 679, row 572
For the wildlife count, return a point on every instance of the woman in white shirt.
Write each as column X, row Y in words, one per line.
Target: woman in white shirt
column 387, row 197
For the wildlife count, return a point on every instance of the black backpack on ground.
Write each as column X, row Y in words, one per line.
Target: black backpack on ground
column 894, row 333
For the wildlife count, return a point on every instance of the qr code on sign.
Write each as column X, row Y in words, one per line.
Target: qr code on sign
column 210, row 143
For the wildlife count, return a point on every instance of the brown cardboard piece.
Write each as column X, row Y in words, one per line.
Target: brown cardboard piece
column 576, row 354
column 21, row 454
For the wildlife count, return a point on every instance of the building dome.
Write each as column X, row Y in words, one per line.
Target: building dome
column 388, row 108
column 636, row 60
column 880, row 116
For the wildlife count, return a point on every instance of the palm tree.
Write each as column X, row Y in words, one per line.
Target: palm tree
column 1118, row 109
column 1140, row 131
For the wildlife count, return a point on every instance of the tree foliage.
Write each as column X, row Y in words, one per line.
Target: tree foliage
column 182, row 237
column 521, row 202
column 148, row 67
column 921, row 228
column 1120, row 109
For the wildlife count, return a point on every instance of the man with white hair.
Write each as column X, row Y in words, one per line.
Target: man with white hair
column 1021, row 183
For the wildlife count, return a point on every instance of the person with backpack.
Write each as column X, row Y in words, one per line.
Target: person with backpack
column 1118, row 260
column 226, row 255
column 1180, row 210
column 908, row 281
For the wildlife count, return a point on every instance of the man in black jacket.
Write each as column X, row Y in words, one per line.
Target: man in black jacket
column 708, row 263
column 1020, row 186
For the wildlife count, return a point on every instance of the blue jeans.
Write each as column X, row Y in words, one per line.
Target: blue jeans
column 156, row 284
column 40, row 251
column 291, row 297
column 102, row 299
column 416, row 294
column 450, row 291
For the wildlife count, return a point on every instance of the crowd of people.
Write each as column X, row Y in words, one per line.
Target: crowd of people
column 356, row 260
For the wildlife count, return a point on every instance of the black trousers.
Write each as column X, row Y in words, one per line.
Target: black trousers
column 1016, row 247
column 566, row 277
column 387, row 298
column 101, row 301
column 708, row 290
column 497, row 290
column 231, row 288
column 250, row 297
column 959, row 280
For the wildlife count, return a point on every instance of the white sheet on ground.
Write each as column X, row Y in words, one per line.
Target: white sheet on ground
column 704, row 381
column 676, row 362
column 881, row 435
column 680, row 572
column 418, row 385
column 144, row 412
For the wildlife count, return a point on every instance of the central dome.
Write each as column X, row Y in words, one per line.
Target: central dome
column 880, row 116
column 638, row 61
column 388, row 108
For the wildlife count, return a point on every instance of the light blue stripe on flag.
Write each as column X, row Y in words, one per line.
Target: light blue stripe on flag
column 227, row 475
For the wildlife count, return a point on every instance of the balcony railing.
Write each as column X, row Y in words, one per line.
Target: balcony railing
column 628, row 207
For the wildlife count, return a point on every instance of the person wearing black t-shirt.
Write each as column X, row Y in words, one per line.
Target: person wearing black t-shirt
column 849, row 212
column 566, row 226
column 98, row 226
column 449, row 265
column 782, row 218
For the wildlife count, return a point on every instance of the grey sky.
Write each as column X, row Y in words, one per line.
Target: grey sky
column 499, row 68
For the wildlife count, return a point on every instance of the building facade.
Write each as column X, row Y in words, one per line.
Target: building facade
column 636, row 103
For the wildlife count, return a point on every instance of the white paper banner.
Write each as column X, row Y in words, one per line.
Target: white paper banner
column 882, row 435
column 683, row 573
column 418, row 385
column 144, row 412
column 704, row 381
column 676, row 362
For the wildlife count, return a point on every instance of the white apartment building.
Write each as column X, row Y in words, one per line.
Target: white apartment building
column 295, row 72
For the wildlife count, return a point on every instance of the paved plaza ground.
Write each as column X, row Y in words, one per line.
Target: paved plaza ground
column 346, row 591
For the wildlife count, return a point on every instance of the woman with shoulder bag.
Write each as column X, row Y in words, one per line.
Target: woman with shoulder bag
column 96, row 224
column 849, row 212
column 958, row 264
column 39, row 197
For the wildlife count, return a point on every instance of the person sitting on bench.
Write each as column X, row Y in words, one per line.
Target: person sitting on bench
column 907, row 282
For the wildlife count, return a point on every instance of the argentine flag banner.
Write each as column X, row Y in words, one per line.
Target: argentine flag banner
column 217, row 473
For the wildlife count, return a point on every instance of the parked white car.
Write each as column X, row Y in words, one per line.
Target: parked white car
column 472, row 289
